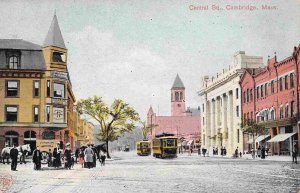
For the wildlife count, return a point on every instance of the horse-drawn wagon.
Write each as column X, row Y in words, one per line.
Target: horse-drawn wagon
column 45, row 146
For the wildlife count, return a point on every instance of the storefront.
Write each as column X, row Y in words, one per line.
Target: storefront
column 283, row 143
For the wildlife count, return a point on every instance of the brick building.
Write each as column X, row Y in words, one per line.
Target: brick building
column 269, row 96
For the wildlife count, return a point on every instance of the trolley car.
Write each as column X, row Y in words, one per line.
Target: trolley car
column 164, row 145
column 143, row 147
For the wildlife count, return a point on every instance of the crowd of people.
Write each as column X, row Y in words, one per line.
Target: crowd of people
column 86, row 156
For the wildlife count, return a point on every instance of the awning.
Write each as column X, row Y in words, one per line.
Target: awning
column 261, row 137
column 190, row 142
column 281, row 137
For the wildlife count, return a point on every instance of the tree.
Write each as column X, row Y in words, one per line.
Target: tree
column 251, row 127
column 114, row 120
column 146, row 128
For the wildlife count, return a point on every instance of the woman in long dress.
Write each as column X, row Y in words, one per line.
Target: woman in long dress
column 88, row 156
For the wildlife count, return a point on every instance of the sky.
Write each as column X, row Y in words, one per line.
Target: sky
column 133, row 49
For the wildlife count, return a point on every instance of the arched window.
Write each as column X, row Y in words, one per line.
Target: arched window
column 286, row 84
column 251, row 95
column 262, row 90
column 272, row 113
column 266, row 89
column 247, row 95
column 181, row 96
column 13, row 62
column 176, row 96
column 272, row 86
column 280, row 84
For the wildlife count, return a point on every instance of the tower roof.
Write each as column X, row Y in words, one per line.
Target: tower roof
column 150, row 111
column 54, row 37
column 178, row 83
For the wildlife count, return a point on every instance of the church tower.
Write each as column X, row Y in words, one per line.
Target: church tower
column 178, row 98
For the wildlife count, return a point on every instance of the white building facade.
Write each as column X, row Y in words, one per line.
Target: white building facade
column 220, row 99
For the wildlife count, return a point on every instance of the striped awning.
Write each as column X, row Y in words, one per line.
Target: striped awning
column 281, row 137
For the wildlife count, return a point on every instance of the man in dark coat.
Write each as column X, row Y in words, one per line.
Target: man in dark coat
column 95, row 156
column 263, row 152
column 68, row 156
column 295, row 152
column 14, row 158
column 36, row 158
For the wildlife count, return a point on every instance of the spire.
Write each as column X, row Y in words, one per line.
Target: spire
column 178, row 83
column 54, row 37
column 150, row 111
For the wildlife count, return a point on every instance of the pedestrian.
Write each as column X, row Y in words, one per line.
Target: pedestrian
column 225, row 151
column 217, row 151
column 236, row 152
column 55, row 161
column 81, row 157
column 76, row 154
column 295, row 152
column 88, row 156
column 103, row 157
column 58, row 156
column 263, row 152
column 36, row 158
column 50, row 158
column 95, row 155
column 258, row 151
column 253, row 153
column 14, row 157
column 68, row 157
column 203, row 151
column 23, row 155
column 199, row 151
column 240, row 154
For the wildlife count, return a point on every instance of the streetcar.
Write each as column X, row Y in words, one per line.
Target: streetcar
column 164, row 146
column 143, row 147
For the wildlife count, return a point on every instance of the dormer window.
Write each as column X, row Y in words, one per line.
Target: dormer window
column 58, row 57
column 13, row 59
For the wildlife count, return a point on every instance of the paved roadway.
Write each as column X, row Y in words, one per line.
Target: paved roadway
column 132, row 173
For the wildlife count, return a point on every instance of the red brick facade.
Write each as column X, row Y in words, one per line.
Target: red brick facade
column 270, row 98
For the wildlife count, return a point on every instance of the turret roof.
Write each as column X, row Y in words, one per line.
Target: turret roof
column 54, row 37
column 178, row 83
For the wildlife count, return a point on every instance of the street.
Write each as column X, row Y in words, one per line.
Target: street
column 131, row 173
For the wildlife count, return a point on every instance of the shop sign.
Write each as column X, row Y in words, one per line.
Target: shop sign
column 59, row 75
column 58, row 115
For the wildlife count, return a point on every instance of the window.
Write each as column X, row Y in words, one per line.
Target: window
column 202, row 107
column 280, row 112
column 203, row 121
column 238, row 135
column 247, row 95
column 237, row 111
column 58, row 57
column 35, row 114
column 36, row 88
column 272, row 114
column 47, row 113
column 12, row 88
column 257, row 92
column 292, row 108
column 286, row 110
column 266, row 89
column 272, row 86
column 262, row 90
column 292, row 80
column 13, row 62
column 280, row 84
column 180, row 96
column 244, row 96
column 176, row 96
column 59, row 90
column 11, row 113
column 237, row 93
column 286, row 86
column 251, row 95
column 48, row 88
